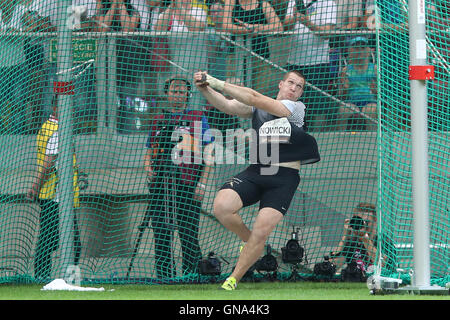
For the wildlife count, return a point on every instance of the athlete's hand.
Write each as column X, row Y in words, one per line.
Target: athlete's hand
column 200, row 79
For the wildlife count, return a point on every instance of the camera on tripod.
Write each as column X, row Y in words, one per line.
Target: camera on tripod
column 267, row 263
column 325, row 268
column 210, row 266
column 292, row 252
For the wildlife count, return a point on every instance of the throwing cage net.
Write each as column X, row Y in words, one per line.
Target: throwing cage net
column 92, row 91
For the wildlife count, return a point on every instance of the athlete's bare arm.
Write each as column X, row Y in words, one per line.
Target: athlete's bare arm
column 218, row 100
column 243, row 97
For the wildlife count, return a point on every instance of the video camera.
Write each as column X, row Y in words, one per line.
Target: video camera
column 292, row 252
column 268, row 262
column 325, row 268
column 210, row 266
column 353, row 273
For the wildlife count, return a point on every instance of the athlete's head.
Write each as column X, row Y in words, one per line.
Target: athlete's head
column 291, row 86
column 178, row 91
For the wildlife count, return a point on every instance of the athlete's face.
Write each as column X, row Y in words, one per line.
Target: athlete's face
column 291, row 88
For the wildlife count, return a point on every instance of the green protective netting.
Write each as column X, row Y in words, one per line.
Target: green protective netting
column 115, row 71
column 395, row 139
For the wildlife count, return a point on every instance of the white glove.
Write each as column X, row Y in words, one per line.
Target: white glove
column 215, row 83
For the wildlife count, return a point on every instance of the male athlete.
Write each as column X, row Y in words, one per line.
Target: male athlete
column 274, row 192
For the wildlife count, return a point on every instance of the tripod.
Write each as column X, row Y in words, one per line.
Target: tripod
column 294, row 273
column 169, row 202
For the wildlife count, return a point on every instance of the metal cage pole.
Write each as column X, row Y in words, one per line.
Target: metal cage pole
column 419, row 147
column 419, row 72
column 65, row 157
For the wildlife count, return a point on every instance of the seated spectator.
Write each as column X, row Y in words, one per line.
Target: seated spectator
column 251, row 18
column 309, row 54
column 358, row 83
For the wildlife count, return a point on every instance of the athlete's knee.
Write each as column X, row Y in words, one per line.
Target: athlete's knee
column 221, row 208
column 265, row 223
column 261, row 233
column 226, row 203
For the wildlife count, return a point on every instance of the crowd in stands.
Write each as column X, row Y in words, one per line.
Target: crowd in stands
column 321, row 37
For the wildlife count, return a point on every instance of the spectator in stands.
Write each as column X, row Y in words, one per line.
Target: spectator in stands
column 34, row 53
column 44, row 190
column 105, row 15
column 218, row 48
column 393, row 48
column 128, row 16
column 158, row 58
column 392, row 13
column 13, row 70
column 181, row 16
column 358, row 84
column 85, row 95
column 251, row 18
column 348, row 16
column 41, row 16
column 310, row 54
column 280, row 7
column 177, row 180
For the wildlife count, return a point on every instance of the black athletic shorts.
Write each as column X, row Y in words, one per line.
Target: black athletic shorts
column 273, row 191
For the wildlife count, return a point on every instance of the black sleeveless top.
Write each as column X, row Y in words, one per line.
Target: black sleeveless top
column 302, row 146
column 260, row 44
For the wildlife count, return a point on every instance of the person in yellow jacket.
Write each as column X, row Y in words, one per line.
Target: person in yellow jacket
column 44, row 189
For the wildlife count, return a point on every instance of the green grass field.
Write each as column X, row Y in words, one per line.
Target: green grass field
column 245, row 291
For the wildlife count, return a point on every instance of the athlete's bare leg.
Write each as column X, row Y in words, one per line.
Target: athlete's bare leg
column 265, row 223
column 226, row 206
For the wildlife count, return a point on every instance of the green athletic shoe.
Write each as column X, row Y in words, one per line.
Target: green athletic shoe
column 229, row 284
